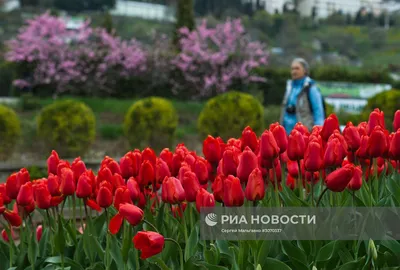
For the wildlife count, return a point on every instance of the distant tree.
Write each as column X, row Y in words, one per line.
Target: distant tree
column 108, row 23
column 82, row 5
column 185, row 17
column 26, row 3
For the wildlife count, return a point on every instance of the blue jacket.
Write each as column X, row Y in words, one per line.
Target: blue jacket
column 295, row 87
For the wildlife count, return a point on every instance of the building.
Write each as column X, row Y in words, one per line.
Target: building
column 324, row 8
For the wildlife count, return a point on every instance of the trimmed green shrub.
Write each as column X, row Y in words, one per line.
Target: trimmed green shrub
column 388, row 102
column 228, row 114
column 67, row 126
column 151, row 121
column 10, row 131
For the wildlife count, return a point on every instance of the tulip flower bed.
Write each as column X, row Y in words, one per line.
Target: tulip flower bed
column 143, row 211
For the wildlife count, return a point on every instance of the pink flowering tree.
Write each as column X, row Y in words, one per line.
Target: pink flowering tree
column 85, row 60
column 212, row 59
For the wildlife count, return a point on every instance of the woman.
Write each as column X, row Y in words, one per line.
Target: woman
column 302, row 101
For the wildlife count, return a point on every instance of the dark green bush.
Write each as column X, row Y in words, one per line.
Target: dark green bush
column 228, row 114
column 67, row 126
column 29, row 102
column 388, row 102
column 111, row 131
column 151, row 121
column 10, row 131
column 7, row 75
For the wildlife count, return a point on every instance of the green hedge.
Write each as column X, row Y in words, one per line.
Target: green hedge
column 10, row 131
column 7, row 75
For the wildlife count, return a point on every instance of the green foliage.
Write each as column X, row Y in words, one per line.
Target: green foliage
column 388, row 102
column 151, row 121
column 10, row 131
column 67, row 126
column 108, row 22
column 185, row 17
column 7, row 75
column 111, row 131
column 29, row 102
column 37, row 172
column 228, row 114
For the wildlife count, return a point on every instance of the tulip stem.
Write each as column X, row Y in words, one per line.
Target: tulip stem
column 300, row 182
column 151, row 225
column 81, row 214
column 107, row 263
column 320, row 196
column 275, row 181
column 180, row 251
column 184, row 224
column 312, row 192
column 74, row 211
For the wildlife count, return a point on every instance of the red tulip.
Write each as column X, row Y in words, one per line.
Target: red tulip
column 277, row 175
column 130, row 212
column 337, row 135
column 290, row 181
column 111, row 164
column 23, row 176
column 93, row 205
column 61, row 165
column 13, row 218
column 293, row 168
column 212, row 149
column 268, row 147
column 376, row 118
column 166, row 155
column 280, row 136
column 172, row 191
column 247, row 163
column 52, row 163
column 362, row 128
column 204, row 199
column 190, row 160
column 352, row 137
column 191, row 186
column 362, row 152
column 338, row 180
column 233, row 192
column 150, row 155
column 84, row 188
column 218, row 188
column 12, row 186
column 177, row 160
column 3, row 194
column 149, row 243
column 377, row 143
column 53, row 183
column 42, row 196
column 394, row 150
column 302, row 129
column 133, row 188
column 104, row 174
column 249, row 139
column 237, row 143
column 396, row 121
column 296, row 146
column 25, row 195
column 356, row 182
column 330, row 125
column 146, row 174
column 312, row 177
column 201, row 170
column 312, row 157
column 4, row 235
column 78, row 167
column 334, row 154
column 39, row 231
column 104, row 197
column 184, row 168
column 230, row 160
column 122, row 195
column 117, row 181
column 178, row 210
column 28, row 209
column 162, row 170
column 130, row 164
column 255, row 188
column 67, row 182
